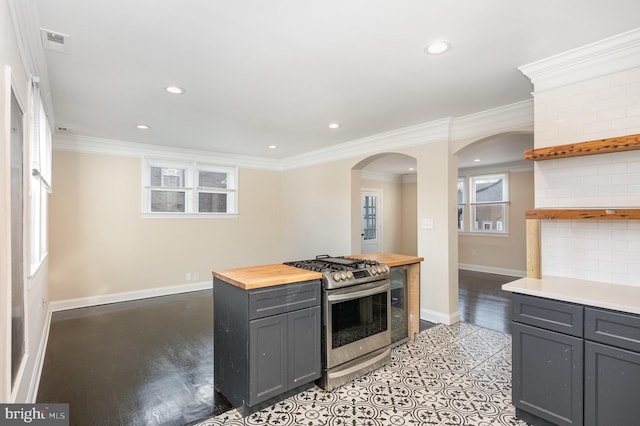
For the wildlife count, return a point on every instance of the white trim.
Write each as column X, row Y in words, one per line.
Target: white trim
column 83, row 302
column 93, row 145
column 518, row 115
column 439, row 317
column 614, row 54
column 492, row 270
column 425, row 133
column 34, row 385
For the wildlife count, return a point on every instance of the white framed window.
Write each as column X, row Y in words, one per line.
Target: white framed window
column 489, row 202
column 175, row 188
column 40, row 180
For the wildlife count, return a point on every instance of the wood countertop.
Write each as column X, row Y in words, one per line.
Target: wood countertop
column 253, row 277
column 389, row 259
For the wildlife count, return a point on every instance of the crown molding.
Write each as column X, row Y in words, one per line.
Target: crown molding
column 425, row 133
column 93, row 145
column 496, row 120
column 614, row 54
column 516, row 116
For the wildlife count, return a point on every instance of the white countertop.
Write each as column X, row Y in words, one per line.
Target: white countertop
column 593, row 293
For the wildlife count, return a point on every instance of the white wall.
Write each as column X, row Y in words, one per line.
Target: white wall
column 588, row 94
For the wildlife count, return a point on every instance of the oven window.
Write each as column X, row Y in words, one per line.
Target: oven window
column 352, row 320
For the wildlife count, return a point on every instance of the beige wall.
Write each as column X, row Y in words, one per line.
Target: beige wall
column 101, row 245
column 14, row 74
column 501, row 254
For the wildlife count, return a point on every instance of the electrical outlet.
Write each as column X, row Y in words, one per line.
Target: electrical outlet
column 473, row 252
column 187, row 276
column 195, row 276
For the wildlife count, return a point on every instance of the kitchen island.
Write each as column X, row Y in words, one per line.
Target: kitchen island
column 267, row 327
column 576, row 351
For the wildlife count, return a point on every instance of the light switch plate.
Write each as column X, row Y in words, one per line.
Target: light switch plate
column 427, row 224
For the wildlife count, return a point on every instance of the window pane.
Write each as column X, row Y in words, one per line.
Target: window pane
column 369, row 216
column 489, row 217
column 488, row 189
column 167, row 177
column 168, row 201
column 212, row 203
column 460, row 191
column 212, row 179
column 460, row 218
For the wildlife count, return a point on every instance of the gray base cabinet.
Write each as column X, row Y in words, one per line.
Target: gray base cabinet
column 574, row 364
column 266, row 341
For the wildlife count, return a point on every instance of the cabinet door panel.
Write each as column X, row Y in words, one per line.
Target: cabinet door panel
column 548, row 375
column 267, row 358
column 612, row 381
column 304, row 346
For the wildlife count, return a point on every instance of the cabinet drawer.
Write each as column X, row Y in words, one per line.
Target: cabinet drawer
column 613, row 328
column 283, row 298
column 554, row 315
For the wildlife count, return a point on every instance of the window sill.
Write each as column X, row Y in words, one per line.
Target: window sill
column 483, row 234
column 190, row 216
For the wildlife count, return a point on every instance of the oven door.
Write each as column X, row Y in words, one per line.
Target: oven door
column 357, row 321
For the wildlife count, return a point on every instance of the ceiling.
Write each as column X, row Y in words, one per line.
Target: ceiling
column 260, row 73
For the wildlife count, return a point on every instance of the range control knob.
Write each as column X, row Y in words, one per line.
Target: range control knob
column 337, row 276
column 343, row 275
column 349, row 275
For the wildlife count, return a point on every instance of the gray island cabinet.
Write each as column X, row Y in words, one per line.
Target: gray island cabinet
column 575, row 362
column 266, row 334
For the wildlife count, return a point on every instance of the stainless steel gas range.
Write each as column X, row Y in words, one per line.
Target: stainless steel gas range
column 356, row 316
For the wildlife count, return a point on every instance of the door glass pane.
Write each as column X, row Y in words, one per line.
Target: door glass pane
column 356, row 319
column 168, row 201
column 369, row 217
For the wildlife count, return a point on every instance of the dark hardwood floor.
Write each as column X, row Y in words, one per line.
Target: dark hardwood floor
column 150, row 362
column 147, row 362
column 482, row 302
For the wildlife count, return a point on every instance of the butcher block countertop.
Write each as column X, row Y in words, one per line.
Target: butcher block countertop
column 389, row 259
column 617, row 297
column 253, row 277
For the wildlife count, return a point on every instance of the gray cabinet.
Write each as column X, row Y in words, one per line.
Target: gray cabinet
column 266, row 341
column 612, row 367
column 574, row 364
column 547, row 364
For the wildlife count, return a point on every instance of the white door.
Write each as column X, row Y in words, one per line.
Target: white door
column 371, row 233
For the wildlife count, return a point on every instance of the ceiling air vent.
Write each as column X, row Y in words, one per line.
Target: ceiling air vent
column 54, row 41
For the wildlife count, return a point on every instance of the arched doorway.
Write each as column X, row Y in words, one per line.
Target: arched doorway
column 384, row 204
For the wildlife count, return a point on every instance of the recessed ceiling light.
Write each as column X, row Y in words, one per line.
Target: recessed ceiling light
column 142, row 126
column 476, row 160
column 334, row 125
column 272, row 147
column 175, row 90
column 437, row 47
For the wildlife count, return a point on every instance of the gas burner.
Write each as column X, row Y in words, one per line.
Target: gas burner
column 342, row 271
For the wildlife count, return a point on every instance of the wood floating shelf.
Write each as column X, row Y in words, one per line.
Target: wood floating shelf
column 603, row 146
column 581, row 214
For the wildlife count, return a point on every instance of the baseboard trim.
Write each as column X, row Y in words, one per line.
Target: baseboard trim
column 439, row 317
column 492, row 270
column 84, row 302
column 34, row 385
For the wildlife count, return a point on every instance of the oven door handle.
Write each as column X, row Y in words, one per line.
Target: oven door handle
column 358, row 294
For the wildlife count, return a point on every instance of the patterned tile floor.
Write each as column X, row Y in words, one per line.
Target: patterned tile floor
column 451, row 375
